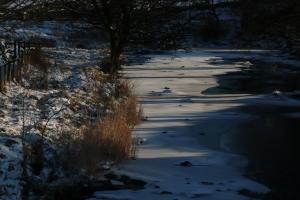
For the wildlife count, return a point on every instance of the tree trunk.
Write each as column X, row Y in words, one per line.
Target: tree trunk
column 214, row 12
column 245, row 17
column 115, row 61
column 115, row 53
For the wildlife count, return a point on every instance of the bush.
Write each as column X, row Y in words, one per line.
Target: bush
column 109, row 139
column 106, row 140
column 134, row 114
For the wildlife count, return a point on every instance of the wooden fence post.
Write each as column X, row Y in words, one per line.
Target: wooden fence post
column 17, row 70
column 2, row 77
column 12, row 70
column 5, row 72
column 19, row 49
column 15, row 49
column 9, row 72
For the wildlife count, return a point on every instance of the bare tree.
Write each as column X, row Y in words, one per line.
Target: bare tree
column 117, row 18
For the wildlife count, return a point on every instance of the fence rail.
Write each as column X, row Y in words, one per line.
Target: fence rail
column 11, row 70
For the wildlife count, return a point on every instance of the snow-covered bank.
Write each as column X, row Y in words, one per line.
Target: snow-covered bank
column 10, row 168
column 181, row 123
column 53, row 33
column 77, row 94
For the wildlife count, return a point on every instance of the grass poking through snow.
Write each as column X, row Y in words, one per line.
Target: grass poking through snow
column 108, row 138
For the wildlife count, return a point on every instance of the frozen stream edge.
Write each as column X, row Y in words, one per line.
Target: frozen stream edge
column 169, row 86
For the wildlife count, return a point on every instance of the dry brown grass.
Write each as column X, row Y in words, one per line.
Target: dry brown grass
column 124, row 88
column 106, row 140
column 133, row 112
column 111, row 138
column 107, row 137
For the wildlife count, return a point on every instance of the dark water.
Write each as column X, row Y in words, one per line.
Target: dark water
column 270, row 139
column 261, row 77
column 271, row 142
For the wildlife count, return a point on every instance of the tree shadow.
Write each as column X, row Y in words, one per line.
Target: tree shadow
column 266, row 133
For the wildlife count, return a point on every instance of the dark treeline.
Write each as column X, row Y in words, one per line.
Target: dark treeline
column 276, row 18
column 166, row 22
column 123, row 21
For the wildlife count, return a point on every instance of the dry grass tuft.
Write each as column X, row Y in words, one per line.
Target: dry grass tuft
column 133, row 112
column 111, row 138
column 107, row 137
column 107, row 140
column 124, row 88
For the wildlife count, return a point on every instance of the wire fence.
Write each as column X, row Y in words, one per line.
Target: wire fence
column 11, row 69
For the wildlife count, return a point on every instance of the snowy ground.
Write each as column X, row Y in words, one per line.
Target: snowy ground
column 10, row 169
column 53, row 33
column 73, row 80
column 186, row 132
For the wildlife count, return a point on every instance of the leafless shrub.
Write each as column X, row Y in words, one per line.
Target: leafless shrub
column 107, row 139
